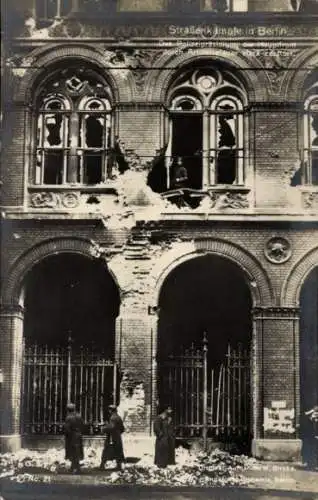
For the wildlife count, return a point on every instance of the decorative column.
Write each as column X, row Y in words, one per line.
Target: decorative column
column 11, row 351
column 276, row 384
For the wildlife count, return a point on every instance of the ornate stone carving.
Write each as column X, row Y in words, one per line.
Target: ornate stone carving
column 45, row 199
column 144, row 60
column 275, row 61
column 228, row 200
column 70, row 200
column 277, row 250
column 274, row 312
column 139, row 61
column 19, row 64
column 310, row 200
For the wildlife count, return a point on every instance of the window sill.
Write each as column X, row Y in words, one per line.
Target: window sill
column 80, row 188
column 221, row 188
column 308, row 188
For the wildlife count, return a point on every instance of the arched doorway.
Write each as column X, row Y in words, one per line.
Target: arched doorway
column 206, row 294
column 308, row 362
column 71, row 304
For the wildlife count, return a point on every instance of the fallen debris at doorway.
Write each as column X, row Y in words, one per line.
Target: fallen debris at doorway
column 191, row 469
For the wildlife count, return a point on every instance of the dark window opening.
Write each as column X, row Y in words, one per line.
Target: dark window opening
column 308, row 364
column 157, row 177
column 187, row 145
column 314, row 168
column 53, row 167
column 226, row 166
column 93, row 159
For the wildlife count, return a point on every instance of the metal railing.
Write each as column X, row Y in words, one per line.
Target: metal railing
column 53, row 377
column 208, row 402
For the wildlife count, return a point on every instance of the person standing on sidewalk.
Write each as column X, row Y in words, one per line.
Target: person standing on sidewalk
column 313, row 415
column 113, row 445
column 165, row 439
column 73, row 430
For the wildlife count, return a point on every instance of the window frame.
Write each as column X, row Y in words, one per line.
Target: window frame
column 210, row 117
column 308, row 149
column 172, row 7
column 73, row 138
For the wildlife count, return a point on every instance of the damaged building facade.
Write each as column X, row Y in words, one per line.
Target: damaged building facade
column 159, row 219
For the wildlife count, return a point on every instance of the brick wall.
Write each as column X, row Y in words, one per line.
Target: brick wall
column 276, row 156
column 140, row 131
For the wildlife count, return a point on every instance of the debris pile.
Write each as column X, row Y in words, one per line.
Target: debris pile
column 218, row 468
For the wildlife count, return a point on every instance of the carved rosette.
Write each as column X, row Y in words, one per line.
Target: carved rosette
column 45, row 199
column 48, row 199
column 70, row 200
column 277, row 250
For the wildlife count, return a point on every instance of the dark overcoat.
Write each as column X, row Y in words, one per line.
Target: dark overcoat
column 73, row 430
column 165, row 441
column 113, row 446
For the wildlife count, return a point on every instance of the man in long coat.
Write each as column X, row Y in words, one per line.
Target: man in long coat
column 73, row 430
column 165, row 439
column 113, row 445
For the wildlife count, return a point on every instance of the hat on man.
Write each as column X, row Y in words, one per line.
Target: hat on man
column 70, row 407
column 112, row 407
column 169, row 409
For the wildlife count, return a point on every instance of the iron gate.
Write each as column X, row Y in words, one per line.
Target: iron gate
column 208, row 402
column 52, row 377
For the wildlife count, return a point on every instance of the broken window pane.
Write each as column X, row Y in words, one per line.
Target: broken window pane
column 226, row 158
column 77, row 129
column 226, row 131
column 53, row 125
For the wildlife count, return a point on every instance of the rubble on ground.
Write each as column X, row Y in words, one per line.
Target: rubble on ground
column 218, row 468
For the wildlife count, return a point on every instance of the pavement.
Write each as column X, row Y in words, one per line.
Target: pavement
column 88, row 492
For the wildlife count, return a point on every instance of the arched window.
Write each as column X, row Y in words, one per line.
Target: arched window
column 74, row 129
column 311, row 136
column 206, row 128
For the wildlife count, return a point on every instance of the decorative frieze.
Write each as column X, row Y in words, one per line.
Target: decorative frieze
column 48, row 199
column 276, row 313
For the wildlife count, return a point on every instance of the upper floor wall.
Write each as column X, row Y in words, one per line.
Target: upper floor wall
column 208, row 130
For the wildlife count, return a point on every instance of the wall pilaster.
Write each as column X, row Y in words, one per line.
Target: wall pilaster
column 276, row 383
column 11, row 357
